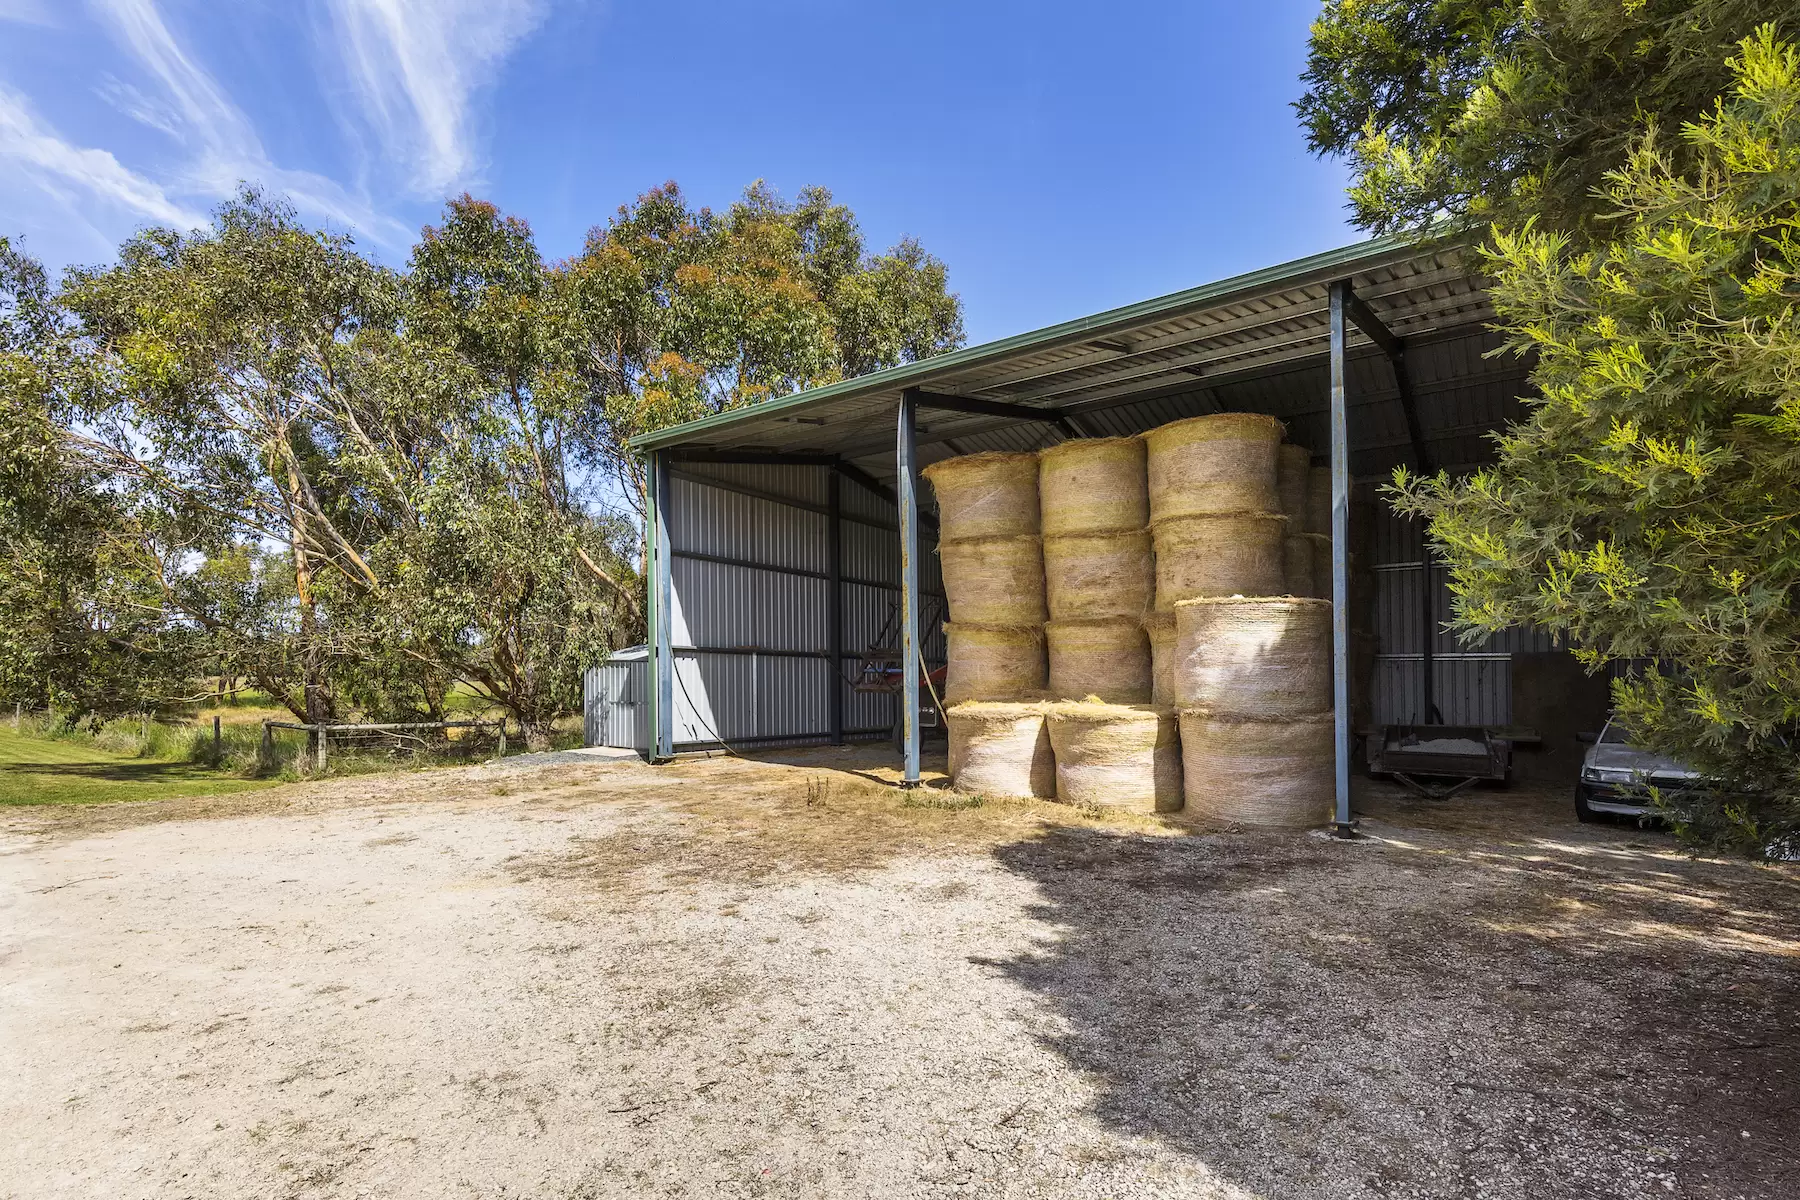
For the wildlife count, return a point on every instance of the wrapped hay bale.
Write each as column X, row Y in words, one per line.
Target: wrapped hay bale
column 994, row 581
column 1293, row 469
column 1001, row 750
column 1109, row 659
column 1228, row 554
column 1161, row 628
column 1224, row 463
column 993, row 662
column 985, row 495
column 1117, row 756
column 1318, row 501
column 1089, row 577
column 1297, row 565
column 1092, row 485
column 1239, row 770
column 1264, row 657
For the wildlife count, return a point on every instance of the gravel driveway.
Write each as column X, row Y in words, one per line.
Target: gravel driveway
column 731, row 978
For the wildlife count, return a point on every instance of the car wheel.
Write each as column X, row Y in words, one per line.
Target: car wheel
column 1582, row 812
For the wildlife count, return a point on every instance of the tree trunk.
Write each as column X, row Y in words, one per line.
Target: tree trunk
column 538, row 733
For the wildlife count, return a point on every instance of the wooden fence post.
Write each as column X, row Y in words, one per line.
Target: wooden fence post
column 323, row 738
column 218, row 749
column 265, row 753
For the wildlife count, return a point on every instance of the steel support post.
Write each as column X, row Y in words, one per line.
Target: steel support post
column 1340, row 559
column 834, row 604
column 907, row 493
column 662, row 625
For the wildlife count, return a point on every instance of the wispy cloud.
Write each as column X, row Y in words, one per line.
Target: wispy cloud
column 415, row 66
column 224, row 149
column 57, row 166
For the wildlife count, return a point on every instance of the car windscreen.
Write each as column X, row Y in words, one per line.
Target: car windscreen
column 1613, row 735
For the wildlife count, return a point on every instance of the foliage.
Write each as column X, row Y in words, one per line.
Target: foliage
column 80, row 626
column 1500, row 110
column 1650, row 506
column 675, row 312
column 250, row 452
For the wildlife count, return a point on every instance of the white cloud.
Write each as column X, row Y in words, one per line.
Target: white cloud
column 415, row 65
column 56, row 166
column 224, row 147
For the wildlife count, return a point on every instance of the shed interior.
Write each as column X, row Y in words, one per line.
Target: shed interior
column 779, row 521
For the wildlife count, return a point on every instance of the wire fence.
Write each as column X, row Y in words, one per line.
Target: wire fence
column 398, row 736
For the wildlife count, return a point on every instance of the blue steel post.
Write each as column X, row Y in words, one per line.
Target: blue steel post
column 1340, row 561
column 662, row 624
column 906, row 491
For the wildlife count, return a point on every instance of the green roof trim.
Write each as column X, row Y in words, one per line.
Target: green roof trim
column 911, row 374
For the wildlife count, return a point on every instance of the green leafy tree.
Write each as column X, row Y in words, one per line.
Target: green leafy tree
column 503, row 573
column 233, row 360
column 674, row 312
column 81, row 624
column 1503, row 110
column 1649, row 508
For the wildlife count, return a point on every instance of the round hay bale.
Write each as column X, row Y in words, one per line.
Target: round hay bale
column 1236, row 770
column 1108, row 659
column 994, row 581
column 1093, row 485
column 1117, row 756
column 985, row 495
column 1293, row 466
column 1224, row 463
column 993, row 662
column 1161, row 628
column 1254, row 657
column 1229, row 554
column 1297, row 565
column 1001, row 750
column 1089, row 577
column 1318, row 501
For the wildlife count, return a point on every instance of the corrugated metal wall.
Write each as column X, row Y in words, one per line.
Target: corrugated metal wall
column 749, row 573
column 1472, row 684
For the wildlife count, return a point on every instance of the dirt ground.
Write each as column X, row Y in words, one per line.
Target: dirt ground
column 732, row 978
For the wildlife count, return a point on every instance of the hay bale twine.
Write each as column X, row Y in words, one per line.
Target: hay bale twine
column 1293, row 467
column 1238, row 770
column 1161, row 628
column 1001, row 750
column 1228, row 554
column 1318, row 501
column 994, row 581
column 1089, row 577
column 1117, row 756
column 993, row 662
column 985, row 495
column 1263, row 657
column 1297, row 565
column 1224, row 463
column 1092, row 485
column 1109, row 659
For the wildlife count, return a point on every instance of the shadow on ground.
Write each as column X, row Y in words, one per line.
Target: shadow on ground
column 123, row 771
column 1492, row 1001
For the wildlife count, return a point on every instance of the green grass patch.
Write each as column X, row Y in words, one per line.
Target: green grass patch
column 38, row 770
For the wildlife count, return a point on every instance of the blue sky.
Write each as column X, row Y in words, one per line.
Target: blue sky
column 1060, row 158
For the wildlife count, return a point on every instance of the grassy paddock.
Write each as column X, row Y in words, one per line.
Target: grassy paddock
column 49, row 762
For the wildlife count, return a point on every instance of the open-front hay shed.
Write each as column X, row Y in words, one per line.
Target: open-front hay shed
column 785, row 536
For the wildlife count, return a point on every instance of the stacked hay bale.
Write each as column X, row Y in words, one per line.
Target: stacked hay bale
column 1117, row 756
column 1293, row 469
column 993, row 566
column 1097, row 568
column 1001, row 750
column 1213, row 507
column 1253, row 677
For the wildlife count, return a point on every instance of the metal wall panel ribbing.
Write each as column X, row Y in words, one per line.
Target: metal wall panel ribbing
column 1472, row 683
column 710, row 520
column 736, row 607
column 614, row 703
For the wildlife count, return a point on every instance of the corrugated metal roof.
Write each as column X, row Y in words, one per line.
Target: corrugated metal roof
column 1254, row 342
